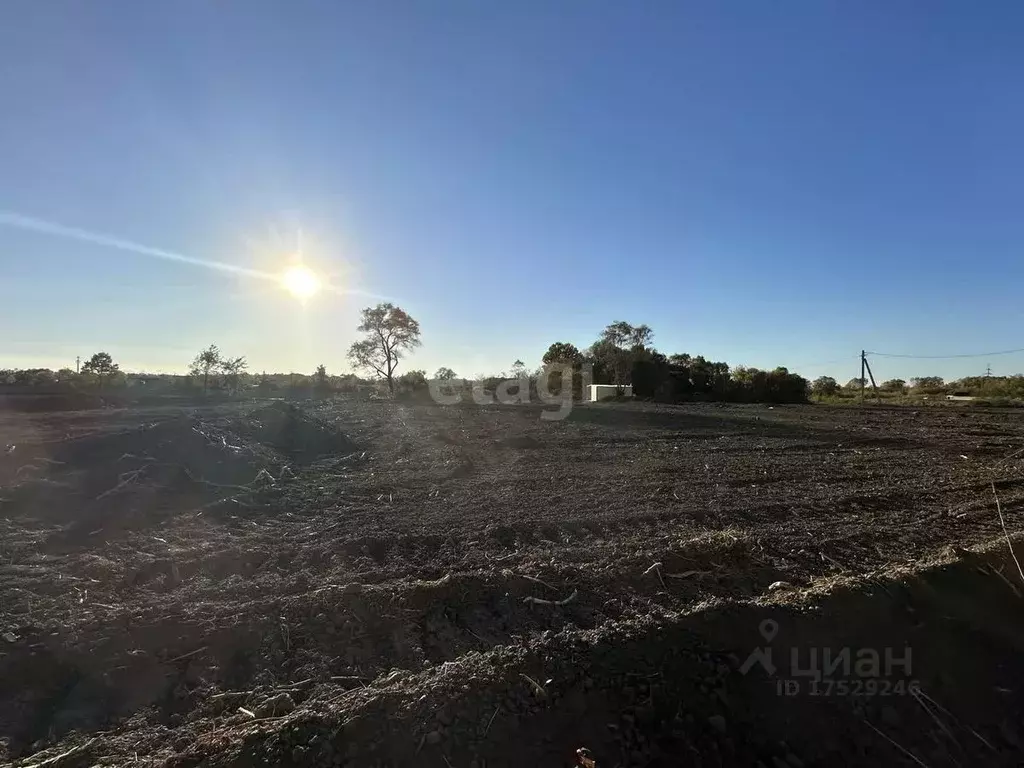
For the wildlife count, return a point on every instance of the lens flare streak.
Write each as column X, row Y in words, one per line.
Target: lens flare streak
column 298, row 280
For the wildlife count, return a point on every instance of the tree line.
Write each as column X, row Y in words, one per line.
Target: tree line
column 623, row 355
column 1009, row 387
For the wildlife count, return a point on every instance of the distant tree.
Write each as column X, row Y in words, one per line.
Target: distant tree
column 205, row 363
column 33, row 377
column 413, row 381
column 232, row 369
column 778, row 386
column 610, row 351
column 989, row 386
column 619, row 347
column 607, row 360
column 321, row 381
column 894, row 385
column 519, row 370
column 707, row 378
column 930, row 385
column 825, row 385
column 264, row 383
column 448, row 385
column 347, row 382
column 677, row 385
column 650, row 376
column 558, row 357
column 66, row 375
column 1012, row 386
column 101, row 365
column 390, row 332
column 640, row 337
column 786, row 387
column 444, row 374
column 619, row 333
column 296, row 385
column 562, row 352
column 855, row 383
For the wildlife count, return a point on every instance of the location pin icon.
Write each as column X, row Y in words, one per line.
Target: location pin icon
column 769, row 628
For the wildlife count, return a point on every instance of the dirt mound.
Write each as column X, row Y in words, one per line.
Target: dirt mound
column 203, row 449
column 289, row 429
column 91, row 481
column 879, row 670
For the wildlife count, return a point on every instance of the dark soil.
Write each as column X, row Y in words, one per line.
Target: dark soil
column 373, row 583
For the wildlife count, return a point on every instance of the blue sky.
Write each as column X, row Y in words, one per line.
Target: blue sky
column 762, row 183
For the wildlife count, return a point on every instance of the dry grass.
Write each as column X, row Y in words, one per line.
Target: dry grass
column 1006, row 533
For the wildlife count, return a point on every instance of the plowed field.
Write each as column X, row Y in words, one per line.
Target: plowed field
column 377, row 583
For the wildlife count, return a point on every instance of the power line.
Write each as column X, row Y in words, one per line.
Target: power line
column 948, row 357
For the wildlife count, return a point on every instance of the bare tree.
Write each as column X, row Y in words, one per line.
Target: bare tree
column 390, row 332
column 205, row 363
column 232, row 368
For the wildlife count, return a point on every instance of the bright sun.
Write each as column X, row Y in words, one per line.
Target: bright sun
column 300, row 281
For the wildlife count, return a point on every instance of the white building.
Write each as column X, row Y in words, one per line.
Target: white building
column 604, row 391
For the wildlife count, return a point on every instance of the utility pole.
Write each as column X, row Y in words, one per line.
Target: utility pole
column 988, row 371
column 865, row 366
column 78, row 363
column 863, row 363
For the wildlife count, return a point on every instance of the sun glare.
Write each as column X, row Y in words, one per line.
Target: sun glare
column 300, row 281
